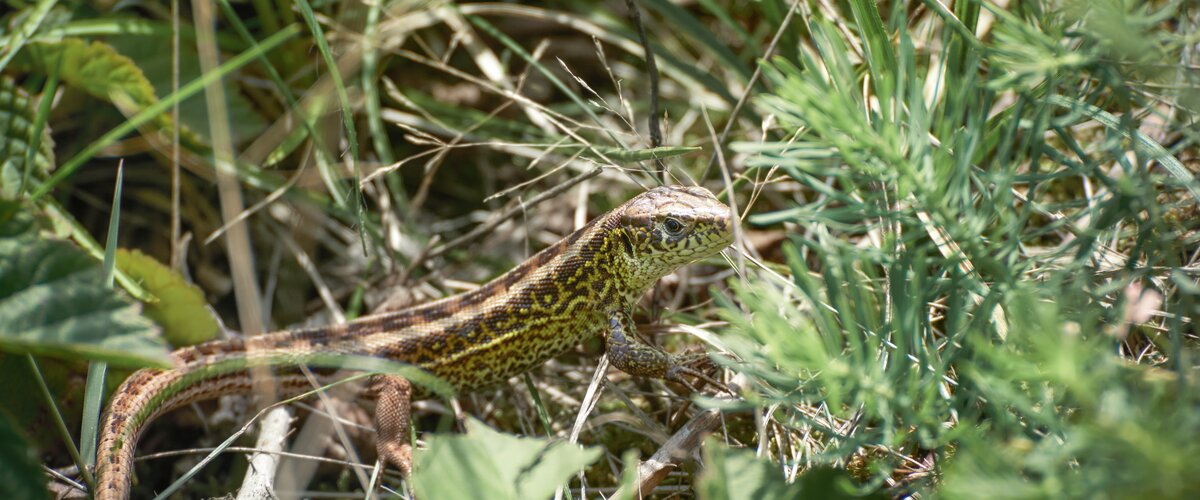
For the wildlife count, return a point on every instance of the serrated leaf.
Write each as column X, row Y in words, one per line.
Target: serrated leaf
column 98, row 69
column 17, row 114
column 53, row 301
column 20, row 470
column 180, row 310
column 487, row 464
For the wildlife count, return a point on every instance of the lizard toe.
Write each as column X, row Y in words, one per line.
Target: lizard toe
column 396, row 454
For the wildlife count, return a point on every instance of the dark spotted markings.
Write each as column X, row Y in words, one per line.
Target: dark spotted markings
column 537, row 310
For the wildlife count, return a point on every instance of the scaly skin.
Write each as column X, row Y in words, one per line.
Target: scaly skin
column 583, row 286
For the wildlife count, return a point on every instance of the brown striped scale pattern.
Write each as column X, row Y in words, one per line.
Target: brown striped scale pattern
column 584, row 285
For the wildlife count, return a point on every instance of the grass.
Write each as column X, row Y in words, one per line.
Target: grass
column 966, row 265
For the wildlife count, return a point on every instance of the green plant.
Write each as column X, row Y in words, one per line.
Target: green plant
column 967, row 266
column 974, row 301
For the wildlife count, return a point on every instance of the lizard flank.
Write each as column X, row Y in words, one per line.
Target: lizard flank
column 585, row 285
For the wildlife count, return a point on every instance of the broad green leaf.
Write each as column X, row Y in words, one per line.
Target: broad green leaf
column 153, row 112
column 14, row 221
column 20, row 470
column 737, row 474
column 731, row 474
column 53, row 302
column 180, row 310
column 98, row 69
column 17, row 114
column 487, row 464
column 628, row 488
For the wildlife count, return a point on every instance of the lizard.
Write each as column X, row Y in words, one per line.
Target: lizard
column 585, row 285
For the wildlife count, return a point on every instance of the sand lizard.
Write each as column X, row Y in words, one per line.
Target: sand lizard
column 585, row 285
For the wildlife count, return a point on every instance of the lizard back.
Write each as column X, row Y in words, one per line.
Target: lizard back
column 515, row 322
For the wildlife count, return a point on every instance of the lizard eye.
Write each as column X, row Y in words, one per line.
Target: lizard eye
column 673, row 226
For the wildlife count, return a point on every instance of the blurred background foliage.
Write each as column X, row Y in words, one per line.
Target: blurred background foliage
column 966, row 266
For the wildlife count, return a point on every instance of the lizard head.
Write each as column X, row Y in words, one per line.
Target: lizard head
column 667, row 227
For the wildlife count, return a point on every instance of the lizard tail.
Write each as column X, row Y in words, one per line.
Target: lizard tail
column 122, row 426
column 203, row 372
column 144, row 396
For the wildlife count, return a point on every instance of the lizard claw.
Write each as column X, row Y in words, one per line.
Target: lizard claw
column 681, row 366
column 398, row 454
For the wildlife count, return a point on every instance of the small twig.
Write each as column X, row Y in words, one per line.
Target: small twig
column 238, row 244
column 725, row 176
column 590, row 398
column 635, row 16
column 64, row 487
column 187, row 476
column 248, row 449
column 672, row 453
column 340, row 430
column 259, row 482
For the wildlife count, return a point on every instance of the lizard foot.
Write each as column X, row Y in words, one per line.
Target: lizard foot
column 694, row 365
column 397, row 454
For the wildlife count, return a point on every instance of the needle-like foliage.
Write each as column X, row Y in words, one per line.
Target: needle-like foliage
column 989, row 291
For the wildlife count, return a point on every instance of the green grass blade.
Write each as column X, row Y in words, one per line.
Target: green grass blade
column 554, row 80
column 881, row 55
column 39, row 126
column 324, row 157
column 93, row 401
column 110, row 245
column 379, row 139
column 87, row 28
column 93, row 395
column 543, row 417
column 162, row 106
column 720, row 13
column 687, row 24
column 1141, row 141
column 318, row 34
column 59, row 424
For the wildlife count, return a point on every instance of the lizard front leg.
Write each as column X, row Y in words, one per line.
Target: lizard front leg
column 636, row 358
column 393, row 416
